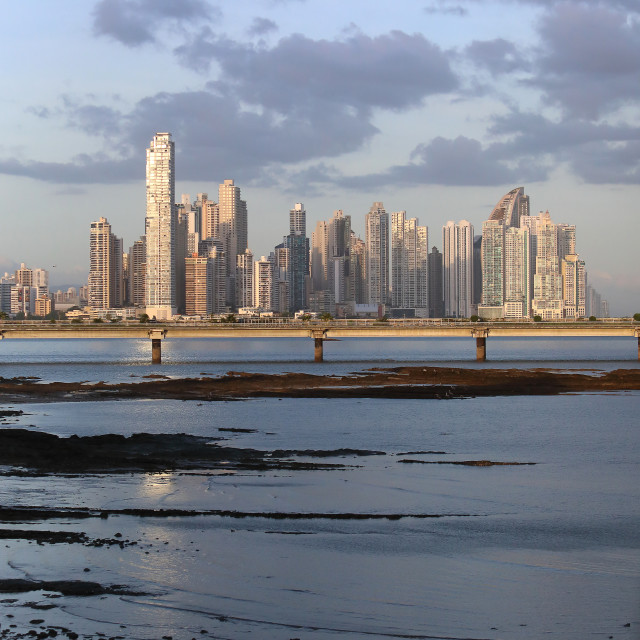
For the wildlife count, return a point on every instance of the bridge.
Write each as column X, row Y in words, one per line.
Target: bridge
column 320, row 331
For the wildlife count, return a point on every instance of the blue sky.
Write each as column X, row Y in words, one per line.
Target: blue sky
column 437, row 107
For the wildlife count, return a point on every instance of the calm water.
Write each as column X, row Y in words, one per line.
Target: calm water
column 548, row 550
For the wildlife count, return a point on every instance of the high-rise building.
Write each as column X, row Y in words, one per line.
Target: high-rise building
column 507, row 259
column 319, row 260
column 409, row 251
column 358, row 270
column 291, row 264
column 160, row 229
column 105, row 267
column 547, row 282
column 214, row 251
column 330, row 259
column 231, row 228
column 44, row 305
column 377, row 251
column 244, row 279
column 298, row 220
column 198, row 285
column 434, row 275
column 262, row 284
column 457, row 269
column 24, row 276
column 280, row 264
column 137, row 264
column 297, row 272
column 517, row 272
column 574, row 286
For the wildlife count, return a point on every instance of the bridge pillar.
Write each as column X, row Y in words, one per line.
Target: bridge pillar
column 157, row 335
column 638, row 336
column 481, row 343
column 318, row 336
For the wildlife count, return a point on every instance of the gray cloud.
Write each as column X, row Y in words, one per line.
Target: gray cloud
column 262, row 26
column 446, row 9
column 392, row 71
column 134, row 22
column 214, row 137
column 459, row 162
column 597, row 153
column 497, row 56
column 454, row 6
column 589, row 60
column 83, row 169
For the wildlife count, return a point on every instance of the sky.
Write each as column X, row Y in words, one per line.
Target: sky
column 435, row 107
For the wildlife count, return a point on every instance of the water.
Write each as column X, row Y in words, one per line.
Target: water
column 550, row 549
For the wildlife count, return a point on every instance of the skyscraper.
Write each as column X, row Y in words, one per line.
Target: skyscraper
column 547, row 281
column 160, row 228
column 244, row 279
column 298, row 219
column 137, row 272
column 409, row 251
column 263, row 284
column 377, row 256
column 457, row 269
column 507, row 259
column 331, row 276
column 434, row 275
column 105, row 267
column 231, row 228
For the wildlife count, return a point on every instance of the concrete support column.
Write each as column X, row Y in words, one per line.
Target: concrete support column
column 481, row 349
column 157, row 336
column 638, row 334
column 481, row 343
column 318, row 336
column 156, row 351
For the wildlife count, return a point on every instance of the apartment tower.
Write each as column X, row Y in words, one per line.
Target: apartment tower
column 160, row 228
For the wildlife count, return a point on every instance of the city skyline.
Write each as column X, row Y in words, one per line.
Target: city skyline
column 430, row 109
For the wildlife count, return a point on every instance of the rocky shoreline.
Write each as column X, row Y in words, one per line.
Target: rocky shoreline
column 396, row 382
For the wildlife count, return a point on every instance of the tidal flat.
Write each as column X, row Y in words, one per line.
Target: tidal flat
column 462, row 514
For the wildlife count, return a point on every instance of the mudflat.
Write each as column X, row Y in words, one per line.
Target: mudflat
column 396, row 382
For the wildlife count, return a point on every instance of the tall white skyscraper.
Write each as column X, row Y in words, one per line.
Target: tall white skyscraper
column 377, row 254
column 457, row 269
column 160, row 228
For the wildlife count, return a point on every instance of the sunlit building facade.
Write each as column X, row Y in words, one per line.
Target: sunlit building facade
column 160, row 228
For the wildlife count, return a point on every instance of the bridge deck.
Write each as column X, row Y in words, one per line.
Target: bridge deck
column 329, row 329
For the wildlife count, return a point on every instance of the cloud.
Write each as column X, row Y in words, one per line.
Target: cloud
column 392, row 71
column 448, row 162
column 299, row 100
column 446, row 9
column 134, row 22
column 82, row 169
column 595, row 152
column 589, row 61
column 496, row 56
column 454, row 6
column 262, row 26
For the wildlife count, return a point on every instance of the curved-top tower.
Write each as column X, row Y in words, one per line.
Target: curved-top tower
column 511, row 207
